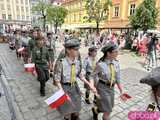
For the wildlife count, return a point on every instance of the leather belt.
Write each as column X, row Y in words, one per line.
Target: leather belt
column 106, row 83
column 69, row 84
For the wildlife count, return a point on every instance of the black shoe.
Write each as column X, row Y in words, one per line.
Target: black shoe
column 74, row 117
column 42, row 93
column 87, row 98
column 95, row 115
column 66, row 118
column 87, row 101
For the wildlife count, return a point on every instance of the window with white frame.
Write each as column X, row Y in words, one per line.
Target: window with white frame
column 132, row 9
column 116, row 11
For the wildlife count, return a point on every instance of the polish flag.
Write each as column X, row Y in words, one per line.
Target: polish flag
column 30, row 67
column 57, row 99
column 21, row 49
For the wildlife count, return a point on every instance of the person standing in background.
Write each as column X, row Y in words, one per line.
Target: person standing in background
column 89, row 65
column 41, row 58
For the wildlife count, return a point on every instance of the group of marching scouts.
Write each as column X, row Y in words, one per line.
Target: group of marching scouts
column 99, row 76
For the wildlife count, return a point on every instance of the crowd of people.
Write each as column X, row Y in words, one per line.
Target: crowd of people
column 99, row 76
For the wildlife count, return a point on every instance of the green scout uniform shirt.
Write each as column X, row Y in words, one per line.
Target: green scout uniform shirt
column 31, row 45
column 40, row 55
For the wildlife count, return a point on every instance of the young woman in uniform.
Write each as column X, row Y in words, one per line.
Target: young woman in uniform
column 108, row 73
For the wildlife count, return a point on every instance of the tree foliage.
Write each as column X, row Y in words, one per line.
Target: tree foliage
column 96, row 11
column 41, row 9
column 145, row 16
column 56, row 16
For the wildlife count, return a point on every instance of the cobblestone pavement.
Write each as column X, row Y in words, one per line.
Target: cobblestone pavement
column 4, row 108
column 25, row 89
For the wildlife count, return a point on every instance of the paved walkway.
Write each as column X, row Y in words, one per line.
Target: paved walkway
column 25, row 89
column 4, row 107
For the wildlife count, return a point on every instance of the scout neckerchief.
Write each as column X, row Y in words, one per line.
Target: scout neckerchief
column 73, row 70
column 112, row 73
column 72, row 73
column 93, row 63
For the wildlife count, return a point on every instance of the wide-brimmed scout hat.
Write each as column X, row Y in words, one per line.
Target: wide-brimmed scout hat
column 153, row 79
column 72, row 43
column 109, row 46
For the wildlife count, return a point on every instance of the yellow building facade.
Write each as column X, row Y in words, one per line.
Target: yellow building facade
column 118, row 17
column 14, row 13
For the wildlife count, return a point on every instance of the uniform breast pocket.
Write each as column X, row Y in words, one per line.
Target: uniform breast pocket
column 102, row 75
column 38, row 55
column 66, row 72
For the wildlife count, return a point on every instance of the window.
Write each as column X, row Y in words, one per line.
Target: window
column 17, row 8
column 9, row 17
column 26, row 1
column 27, row 17
column 74, row 17
column 21, row 1
column 8, row 7
column 116, row 11
column 2, row 7
column 23, row 17
column 132, row 9
column 4, row 16
column 18, row 17
column 26, row 9
column 22, row 9
column 80, row 17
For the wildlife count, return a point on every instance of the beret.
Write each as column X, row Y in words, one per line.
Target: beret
column 108, row 46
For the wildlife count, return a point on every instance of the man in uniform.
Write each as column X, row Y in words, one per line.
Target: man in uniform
column 18, row 42
column 31, row 44
column 40, row 57
column 50, row 44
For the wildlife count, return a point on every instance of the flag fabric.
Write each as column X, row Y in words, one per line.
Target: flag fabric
column 30, row 67
column 56, row 99
column 21, row 49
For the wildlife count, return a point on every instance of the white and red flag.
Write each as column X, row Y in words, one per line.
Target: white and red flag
column 21, row 49
column 30, row 67
column 57, row 99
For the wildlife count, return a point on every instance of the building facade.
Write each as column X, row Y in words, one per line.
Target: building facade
column 118, row 18
column 14, row 14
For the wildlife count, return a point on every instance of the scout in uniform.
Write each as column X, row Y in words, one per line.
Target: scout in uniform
column 67, row 72
column 18, row 41
column 89, row 65
column 108, row 73
column 31, row 44
column 153, row 80
column 50, row 44
column 40, row 57
column 62, row 54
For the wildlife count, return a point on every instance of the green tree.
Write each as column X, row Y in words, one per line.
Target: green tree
column 41, row 8
column 145, row 16
column 56, row 16
column 96, row 11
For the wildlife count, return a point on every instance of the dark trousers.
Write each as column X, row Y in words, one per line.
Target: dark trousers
column 43, row 75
